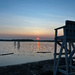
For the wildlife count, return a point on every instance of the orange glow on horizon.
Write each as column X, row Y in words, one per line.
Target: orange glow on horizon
column 37, row 38
column 28, row 33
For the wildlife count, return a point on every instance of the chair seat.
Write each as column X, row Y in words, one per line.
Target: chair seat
column 60, row 38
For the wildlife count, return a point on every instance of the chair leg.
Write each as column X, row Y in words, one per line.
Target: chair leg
column 66, row 57
column 69, row 54
column 55, row 58
column 59, row 58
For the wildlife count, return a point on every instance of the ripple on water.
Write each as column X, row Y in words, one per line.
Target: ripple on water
column 26, row 52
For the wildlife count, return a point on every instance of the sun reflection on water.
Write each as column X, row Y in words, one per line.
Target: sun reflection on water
column 37, row 45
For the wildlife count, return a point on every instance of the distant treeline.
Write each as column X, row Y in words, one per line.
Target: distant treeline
column 23, row 40
column 16, row 40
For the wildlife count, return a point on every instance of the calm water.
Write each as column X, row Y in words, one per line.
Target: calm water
column 25, row 52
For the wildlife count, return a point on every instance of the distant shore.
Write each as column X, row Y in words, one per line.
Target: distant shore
column 26, row 40
column 35, row 68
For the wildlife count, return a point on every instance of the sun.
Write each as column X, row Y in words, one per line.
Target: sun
column 37, row 38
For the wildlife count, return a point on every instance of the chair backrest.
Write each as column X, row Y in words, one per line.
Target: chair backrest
column 70, row 28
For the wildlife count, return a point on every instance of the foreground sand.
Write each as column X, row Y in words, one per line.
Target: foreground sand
column 35, row 68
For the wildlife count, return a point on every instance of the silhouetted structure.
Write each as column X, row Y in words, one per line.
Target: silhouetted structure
column 67, row 44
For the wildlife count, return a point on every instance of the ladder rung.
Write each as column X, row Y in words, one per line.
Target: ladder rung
column 61, row 54
column 62, row 71
column 62, row 66
column 72, row 67
column 73, row 73
column 73, row 57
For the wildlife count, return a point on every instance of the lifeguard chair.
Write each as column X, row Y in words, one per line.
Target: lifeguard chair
column 67, row 50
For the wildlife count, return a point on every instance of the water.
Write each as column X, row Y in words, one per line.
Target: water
column 25, row 52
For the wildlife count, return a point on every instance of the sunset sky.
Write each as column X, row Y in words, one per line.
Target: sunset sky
column 31, row 19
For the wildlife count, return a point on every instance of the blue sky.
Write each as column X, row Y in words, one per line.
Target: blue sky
column 34, row 18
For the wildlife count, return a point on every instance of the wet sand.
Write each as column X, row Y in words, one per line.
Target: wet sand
column 35, row 68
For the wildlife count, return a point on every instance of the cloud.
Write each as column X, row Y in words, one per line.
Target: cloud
column 27, row 26
column 57, row 16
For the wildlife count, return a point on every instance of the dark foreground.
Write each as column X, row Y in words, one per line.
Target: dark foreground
column 34, row 68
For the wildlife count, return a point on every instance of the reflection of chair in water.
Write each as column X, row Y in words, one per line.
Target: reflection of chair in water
column 67, row 43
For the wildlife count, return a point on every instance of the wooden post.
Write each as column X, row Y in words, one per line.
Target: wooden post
column 54, row 73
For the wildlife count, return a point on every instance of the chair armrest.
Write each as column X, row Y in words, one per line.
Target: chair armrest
column 59, row 28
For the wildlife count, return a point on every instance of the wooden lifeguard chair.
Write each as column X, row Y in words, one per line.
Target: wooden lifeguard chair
column 64, row 59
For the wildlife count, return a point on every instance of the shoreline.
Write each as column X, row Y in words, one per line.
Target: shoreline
column 44, row 67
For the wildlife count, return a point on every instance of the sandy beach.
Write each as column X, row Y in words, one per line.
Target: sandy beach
column 35, row 68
